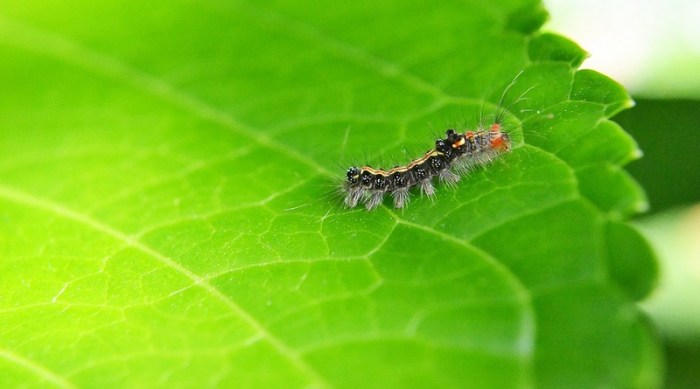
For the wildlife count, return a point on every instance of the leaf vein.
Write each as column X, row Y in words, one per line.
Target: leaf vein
column 352, row 53
column 35, row 367
column 59, row 210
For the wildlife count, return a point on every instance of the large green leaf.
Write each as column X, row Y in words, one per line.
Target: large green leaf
column 167, row 216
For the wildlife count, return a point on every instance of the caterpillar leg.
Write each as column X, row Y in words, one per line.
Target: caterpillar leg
column 448, row 177
column 375, row 198
column 401, row 197
column 353, row 196
column 427, row 188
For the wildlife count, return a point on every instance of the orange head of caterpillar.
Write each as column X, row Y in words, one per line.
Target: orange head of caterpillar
column 499, row 140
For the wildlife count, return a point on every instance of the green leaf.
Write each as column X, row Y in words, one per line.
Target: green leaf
column 168, row 216
column 556, row 48
column 670, row 162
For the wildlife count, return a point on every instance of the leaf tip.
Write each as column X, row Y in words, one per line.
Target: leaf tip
column 636, row 153
column 628, row 103
column 595, row 87
column 549, row 47
column 529, row 18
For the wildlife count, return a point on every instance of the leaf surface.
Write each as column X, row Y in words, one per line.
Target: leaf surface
column 167, row 212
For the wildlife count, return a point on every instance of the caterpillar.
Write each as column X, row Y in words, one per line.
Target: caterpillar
column 455, row 154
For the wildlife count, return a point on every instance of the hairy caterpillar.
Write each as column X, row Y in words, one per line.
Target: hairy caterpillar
column 452, row 156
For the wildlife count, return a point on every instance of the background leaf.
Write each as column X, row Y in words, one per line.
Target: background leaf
column 167, row 217
column 673, row 228
column 668, row 165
